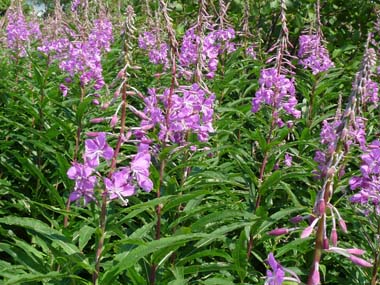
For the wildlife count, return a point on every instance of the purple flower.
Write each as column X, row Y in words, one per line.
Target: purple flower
column 119, row 186
column 96, row 148
column 63, row 89
column 369, row 181
column 250, row 51
column 84, row 182
column 191, row 110
column 288, row 159
column 19, row 32
column 277, row 274
column 371, row 92
column 82, row 58
column 277, row 91
column 313, row 54
column 140, row 168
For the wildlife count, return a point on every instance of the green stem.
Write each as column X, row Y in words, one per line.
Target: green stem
column 76, row 151
column 376, row 254
column 103, row 212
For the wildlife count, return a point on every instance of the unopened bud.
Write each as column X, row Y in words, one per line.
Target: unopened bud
column 321, row 206
column 307, row 231
column 278, row 232
column 342, row 225
column 96, row 120
column 356, row 251
column 314, row 278
column 121, row 74
column 116, row 94
column 334, row 237
column 297, row 219
column 326, row 243
column 92, row 134
column 105, row 105
column 113, row 121
column 359, row 261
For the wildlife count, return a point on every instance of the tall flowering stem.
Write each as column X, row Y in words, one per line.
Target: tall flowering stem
column 314, row 55
column 338, row 146
column 173, row 55
column 276, row 90
column 103, row 211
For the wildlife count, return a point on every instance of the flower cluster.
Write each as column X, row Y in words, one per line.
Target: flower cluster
column 215, row 43
column 371, row 92
column 277, row 91
column 276, row 276
column 329, row 137
column 120, row 184
column 83, row 58
column 188, row 109
column 250, row 51
column 19, row 32
column 313, row 54
column 75, row 4
column 369, row 180
column 158, row 51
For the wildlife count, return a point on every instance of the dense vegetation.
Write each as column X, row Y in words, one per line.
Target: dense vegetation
column 189, row 142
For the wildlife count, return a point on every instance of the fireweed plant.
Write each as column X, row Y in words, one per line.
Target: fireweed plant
column 148, row 142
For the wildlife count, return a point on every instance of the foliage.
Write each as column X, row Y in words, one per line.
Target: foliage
column 215, row 202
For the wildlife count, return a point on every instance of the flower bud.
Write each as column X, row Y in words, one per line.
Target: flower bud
column 359, row 261
column 278, row 232
column 297, row 219
column 105, row 105
column 116, row 94
column 326, row 243
column 334, row 237
column 92, row 134
column 356, row 251
column 321, row 206
column 96, row 120
column 342, row 225
column 113, row 121
column 307, row 231
column 314, row 278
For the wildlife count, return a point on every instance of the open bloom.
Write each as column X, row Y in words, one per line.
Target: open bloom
column 276, row 276
column 119, row 186
column 140, row 169
column 96, row 148
column 369, row 180
column 313, row 54
column 277, row 91
column 84, row 182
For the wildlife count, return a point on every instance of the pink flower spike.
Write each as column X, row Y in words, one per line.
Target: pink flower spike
column 278, row 232
column 359, row 261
